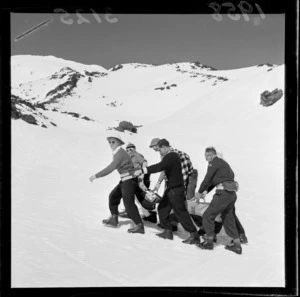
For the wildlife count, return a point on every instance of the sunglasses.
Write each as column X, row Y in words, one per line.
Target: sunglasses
column 112, row 142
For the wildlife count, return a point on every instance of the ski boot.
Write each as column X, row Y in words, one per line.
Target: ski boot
column 111, row 221
column 208, row 244
column 192, row 239
column 139, row 228
column 236, row 248
column 166, row 234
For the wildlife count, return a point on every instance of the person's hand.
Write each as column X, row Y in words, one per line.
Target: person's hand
column 92, row 178
column 156, row 188
column 199, row 196
column 137, row 172
column 203, row 195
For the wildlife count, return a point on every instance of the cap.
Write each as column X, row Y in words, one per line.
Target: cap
column 154, row 142
column 129, row 145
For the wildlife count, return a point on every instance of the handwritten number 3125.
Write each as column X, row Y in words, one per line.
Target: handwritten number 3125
column 66, row 19
column 231, row 8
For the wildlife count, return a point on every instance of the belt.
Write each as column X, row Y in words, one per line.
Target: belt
column 219, row 187
column 126, row 176
column 175, row 187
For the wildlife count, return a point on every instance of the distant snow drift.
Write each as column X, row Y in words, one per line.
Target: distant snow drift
column 61, row 114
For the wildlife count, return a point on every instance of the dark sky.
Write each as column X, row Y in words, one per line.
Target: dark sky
column 157, row 39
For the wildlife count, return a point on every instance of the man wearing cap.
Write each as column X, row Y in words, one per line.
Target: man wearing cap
column 126, row 187
column 147, row 208
column 174, row 195
column 190, row 175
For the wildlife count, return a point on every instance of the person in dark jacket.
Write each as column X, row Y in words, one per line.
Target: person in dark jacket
column 220, row 175
column 174, row 195
column 125, row 188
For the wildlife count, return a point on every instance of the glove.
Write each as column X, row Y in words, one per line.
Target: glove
column 92, row 178
column 137, row 172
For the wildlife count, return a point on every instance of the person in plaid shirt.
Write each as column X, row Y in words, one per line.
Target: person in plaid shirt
column 174, row 195
column 190, row 175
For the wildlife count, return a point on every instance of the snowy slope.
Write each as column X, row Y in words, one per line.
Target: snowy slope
column 109, row 97
column 58, row 239
column 26, row 68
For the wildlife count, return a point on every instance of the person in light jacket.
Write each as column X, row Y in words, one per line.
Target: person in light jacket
column 125, row 188
column 146, row 208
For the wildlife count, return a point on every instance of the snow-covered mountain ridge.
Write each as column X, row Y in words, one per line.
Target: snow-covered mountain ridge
column 54, row 85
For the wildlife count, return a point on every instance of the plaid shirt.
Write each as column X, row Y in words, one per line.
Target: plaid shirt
column 186, row 164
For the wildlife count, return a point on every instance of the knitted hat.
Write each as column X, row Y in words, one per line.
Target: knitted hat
column 116, row 136
column 129, row 145
column 154, row 142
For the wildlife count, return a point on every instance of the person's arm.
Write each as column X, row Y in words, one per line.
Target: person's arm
column 160, row 180
column 207, row 182
column 161, row 166
column 110, row 168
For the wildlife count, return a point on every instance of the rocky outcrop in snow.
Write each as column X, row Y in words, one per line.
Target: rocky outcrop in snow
column 269, row 98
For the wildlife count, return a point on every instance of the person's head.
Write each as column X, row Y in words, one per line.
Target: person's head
column 114, row 141
column 163, row 146
column 130, row 148
column 210, row 153
column 154, row 144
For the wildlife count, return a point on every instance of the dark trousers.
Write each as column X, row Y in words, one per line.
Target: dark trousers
column 222, row 202
column 238, row 224
column 198, row 221
column 125, row 190
column 175, row 199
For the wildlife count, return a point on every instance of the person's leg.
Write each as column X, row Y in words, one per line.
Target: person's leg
column 229, row 224
column 217, row 205
column 197, row 220
column 227, row 215
column 239, row 225
column 164, row 208
column 177, row 200
column 143, row 212
column 128, row 189
column 114, row 199
column 218, row 227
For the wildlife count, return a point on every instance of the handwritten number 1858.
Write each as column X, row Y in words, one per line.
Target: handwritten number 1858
column 231, row 8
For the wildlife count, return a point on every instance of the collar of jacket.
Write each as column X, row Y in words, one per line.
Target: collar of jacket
column 210, row 163
column 116, row 150
column 170, row 150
